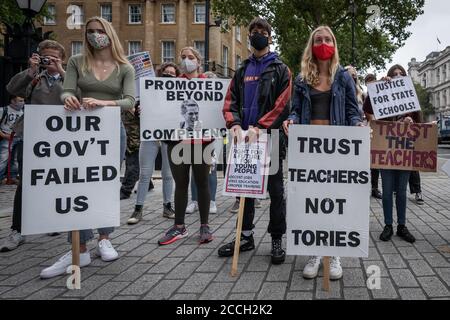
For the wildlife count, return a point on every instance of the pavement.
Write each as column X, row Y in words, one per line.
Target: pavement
column 186, row 270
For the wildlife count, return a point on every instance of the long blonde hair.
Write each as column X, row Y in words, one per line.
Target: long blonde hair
column 116, row 47
column 309, row 65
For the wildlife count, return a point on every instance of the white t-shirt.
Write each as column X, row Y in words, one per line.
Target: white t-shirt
column 11, row 116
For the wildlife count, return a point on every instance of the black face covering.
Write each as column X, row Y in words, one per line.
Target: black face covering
column 167, row 75
column 259, row 41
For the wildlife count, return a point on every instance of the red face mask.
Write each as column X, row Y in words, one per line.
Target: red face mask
column 323, row 52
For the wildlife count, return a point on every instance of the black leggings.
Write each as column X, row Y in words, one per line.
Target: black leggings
column 180, row 173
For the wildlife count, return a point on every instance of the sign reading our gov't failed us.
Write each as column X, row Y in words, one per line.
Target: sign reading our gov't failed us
column 71, row 169
column 177, row 109
column 328, row 191
column 393, row 98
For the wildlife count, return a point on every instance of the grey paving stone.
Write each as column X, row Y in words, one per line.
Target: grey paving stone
column 403, row 278
column 334, row 293
column 47, row 294
column 224, row 274
column 184, row 296
column 26, row 289
column 444, row 273
column 22, row 266
column 354, row 278
column 4, row 289
column 386, row 291
column 281, row 272
column 132, row 298
column 133, row 272
column 242, row 296
column 420, row 268
column 249, row 282
column 88, row 285
column 385, row 247
column 300, row 283
column 196, row 283
column 433, row 287
column 163, row 290
column 199, row 255
column 183, row 250
column 183, row 270
column 410, row 253
column 217, row 291
column 259, row 263
column 394, row 261
column 212, row 263
column 412, row 294
column 165, row 265
column 272, row 291
column 22, row 277
column 107, row 291
column 119, row 266
column 436, row 260
column 356, row 294
column 142, row 285
column 350, row 262
column 155, row 256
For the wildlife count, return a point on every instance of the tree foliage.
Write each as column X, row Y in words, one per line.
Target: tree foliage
column 10, row 13
column 293, row 21
column 424, row 100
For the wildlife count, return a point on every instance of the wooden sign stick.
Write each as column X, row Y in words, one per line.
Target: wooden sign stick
column 75, row 249
column 237, row 243
column 326, row 274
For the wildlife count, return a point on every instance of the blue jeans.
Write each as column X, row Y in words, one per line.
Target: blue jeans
column 212, row 178
column 4, row 157
column 394, row 181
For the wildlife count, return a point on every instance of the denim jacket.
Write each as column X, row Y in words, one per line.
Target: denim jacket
column 344, row 106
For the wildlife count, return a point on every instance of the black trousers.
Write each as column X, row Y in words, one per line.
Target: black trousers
column 17, row 209
column 277, row 222
column 374, row 175
column 414, row 182
column 131, row 172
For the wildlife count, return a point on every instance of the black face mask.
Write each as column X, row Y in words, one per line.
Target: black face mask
column 259, row 41
column 167, row 75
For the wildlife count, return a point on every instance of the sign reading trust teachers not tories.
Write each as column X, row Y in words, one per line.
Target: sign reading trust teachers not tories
column 177, row 109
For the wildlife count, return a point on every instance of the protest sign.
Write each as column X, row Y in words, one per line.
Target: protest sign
column 143, row 67
column 247, row 169
column 70, row 169
column 393, row 98
column 177, row 109
column 404, row 146
column 328, row 191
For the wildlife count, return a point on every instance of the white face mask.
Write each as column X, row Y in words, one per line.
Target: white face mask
column 189, row 66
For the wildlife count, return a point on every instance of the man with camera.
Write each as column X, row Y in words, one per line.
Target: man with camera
column 41, row 83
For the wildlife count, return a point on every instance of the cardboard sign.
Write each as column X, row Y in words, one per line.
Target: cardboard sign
column 70, row 169
column 247, row 169
column 143, row 67
column 328, row 191
column 403, row 146
column 393, row 98
column 177, row 109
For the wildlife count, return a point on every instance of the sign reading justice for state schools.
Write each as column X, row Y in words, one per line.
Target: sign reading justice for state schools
column 247, row 169
column 328, row 191
column 70, row 169
column 393, row 98
column 177, row 109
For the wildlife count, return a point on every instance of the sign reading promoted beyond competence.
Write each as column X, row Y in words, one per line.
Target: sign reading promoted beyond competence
column 70, row 169
column 393, row 98
column 403, row 146
column 177, row 109
column 247, row 169
column 328, row 191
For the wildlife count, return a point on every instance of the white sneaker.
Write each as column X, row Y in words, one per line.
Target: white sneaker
column 192, row 207
column 312, row 267
column 335, row 268
column 106, row 251
column 12, row 241
column 60, row 266
column 212, row 207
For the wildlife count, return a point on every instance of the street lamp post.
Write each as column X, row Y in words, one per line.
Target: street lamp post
column 353, row 9
column 30, row 9
column 217, row 23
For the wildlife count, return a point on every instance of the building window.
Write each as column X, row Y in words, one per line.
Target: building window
column 168, row 13
column 77, row 46
column 238, row 61
column 76, row 12
column 225, row 60
column 168, row 51
column 51, row 19
column 134, row 47
column 134, row 14
column 200, row 46
column 106, row 12
column 199, row 13
column 238, row 33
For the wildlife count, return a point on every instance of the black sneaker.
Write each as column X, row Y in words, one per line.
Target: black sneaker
column 278, row 254
column 136, row 216
column 168, row 211
column 150, row 185
column 247, row 243
column 387, row 233
column 419, row 199
column 403, row 232
column 377, row 194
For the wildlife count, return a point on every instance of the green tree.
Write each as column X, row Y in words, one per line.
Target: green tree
column 424, row 100
column 10, row 13
column 293, row 21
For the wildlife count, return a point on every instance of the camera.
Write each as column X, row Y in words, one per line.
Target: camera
column 45, row 61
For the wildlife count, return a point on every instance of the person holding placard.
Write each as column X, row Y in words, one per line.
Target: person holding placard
column 190, row 65
column 394, row 181
column 41, row 83
column 259, row 98
column 324, row 94
column 106, row 79
column 148, row 152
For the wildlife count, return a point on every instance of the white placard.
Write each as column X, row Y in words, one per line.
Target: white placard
column 143, row 67
column 328, row 191
column 177, row 109
column 393, row 98
column 247, row 168
column 71, row 176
